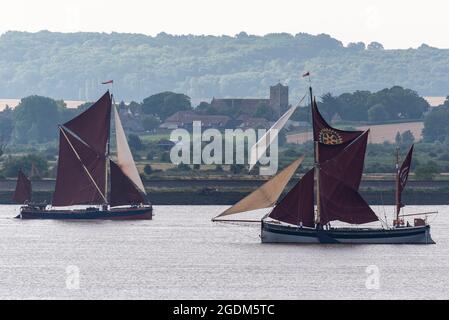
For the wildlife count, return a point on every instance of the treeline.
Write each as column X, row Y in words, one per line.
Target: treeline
column 393, row 104
column 35, row 120
column 72, row 65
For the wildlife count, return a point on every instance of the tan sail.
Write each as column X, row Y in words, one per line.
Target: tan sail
column 124, row 157
column 259, row 148
column 267, row 195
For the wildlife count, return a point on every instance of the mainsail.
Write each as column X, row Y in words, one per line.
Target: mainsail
column 266, row 195
column 259, row 148
column 339, row 181
column 81, row 176
column 123, row 190
column 81, row 173
column 124, row 156
column 22, row 192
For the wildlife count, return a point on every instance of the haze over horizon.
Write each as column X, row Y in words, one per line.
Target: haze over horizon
column 397, row 25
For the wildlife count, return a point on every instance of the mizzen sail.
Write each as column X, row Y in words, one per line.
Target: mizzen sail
column 124, row 156
column 266, row 195
column 402, row 178
column 22, row 193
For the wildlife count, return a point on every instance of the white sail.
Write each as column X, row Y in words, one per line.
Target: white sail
column 124, row 156
column 266, row 195
column 259, row 148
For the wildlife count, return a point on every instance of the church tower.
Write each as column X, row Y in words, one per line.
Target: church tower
column 279, row 98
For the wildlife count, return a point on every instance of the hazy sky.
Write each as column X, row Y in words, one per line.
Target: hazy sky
column 395, row 23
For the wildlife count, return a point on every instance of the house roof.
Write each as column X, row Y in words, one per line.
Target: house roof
column 183, row 117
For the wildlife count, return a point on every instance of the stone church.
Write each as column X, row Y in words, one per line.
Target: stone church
column 278, row 101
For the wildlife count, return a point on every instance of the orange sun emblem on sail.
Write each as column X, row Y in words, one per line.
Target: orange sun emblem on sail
column 330, row 137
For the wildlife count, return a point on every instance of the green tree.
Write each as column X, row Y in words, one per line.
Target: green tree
column 6, row 128
column 237, row 168
column 407, row 137
column 378, row 113
column 135, row 142
column 148, row 169
column 35, row 120
column 398, row 138
column 436, row 125
column 427, row 171
column 12, row 165
column 150, row 123
column 165, row 104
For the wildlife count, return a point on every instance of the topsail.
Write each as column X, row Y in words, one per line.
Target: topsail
column 259, row 148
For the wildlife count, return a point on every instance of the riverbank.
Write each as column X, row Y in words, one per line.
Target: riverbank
column 228, row 192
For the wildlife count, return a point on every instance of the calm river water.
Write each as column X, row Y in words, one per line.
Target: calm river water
column 181, row 254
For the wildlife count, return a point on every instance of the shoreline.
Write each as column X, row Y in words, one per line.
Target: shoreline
column 228, row 192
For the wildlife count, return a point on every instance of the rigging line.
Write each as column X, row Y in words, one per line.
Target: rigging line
column 81, row 161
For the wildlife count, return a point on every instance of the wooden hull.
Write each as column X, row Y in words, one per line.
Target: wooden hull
column 276, row 233
column 131, row 213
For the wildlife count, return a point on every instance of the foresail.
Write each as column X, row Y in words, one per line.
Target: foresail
column 297, row 207
column 266, row 195
column 124, row 156
column 259, row 148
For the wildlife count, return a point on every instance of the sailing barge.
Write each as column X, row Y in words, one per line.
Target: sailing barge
column 87, row 175
column 328, row 193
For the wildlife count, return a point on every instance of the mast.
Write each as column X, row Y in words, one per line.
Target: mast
column 397, row 201
column 316, row 155
column 108, row 152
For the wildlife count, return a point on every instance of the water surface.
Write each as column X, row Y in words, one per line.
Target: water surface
column 181, row 254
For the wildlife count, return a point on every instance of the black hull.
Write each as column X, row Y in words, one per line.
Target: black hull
column 132, row 213
column 276, row 233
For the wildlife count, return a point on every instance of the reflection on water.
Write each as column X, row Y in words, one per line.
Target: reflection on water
column 181, row 254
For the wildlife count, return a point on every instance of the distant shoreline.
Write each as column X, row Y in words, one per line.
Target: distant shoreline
column 228, row 192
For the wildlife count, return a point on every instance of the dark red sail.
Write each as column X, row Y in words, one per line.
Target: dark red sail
column 123, row 190
column 339, row 181
column 22, row 194
column 297, row 207
column 81, row 173
column 93, row 125
column 332, row 140
column 403, row 174
column 349, row 163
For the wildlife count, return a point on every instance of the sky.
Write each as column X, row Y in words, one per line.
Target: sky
column 394, row 23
